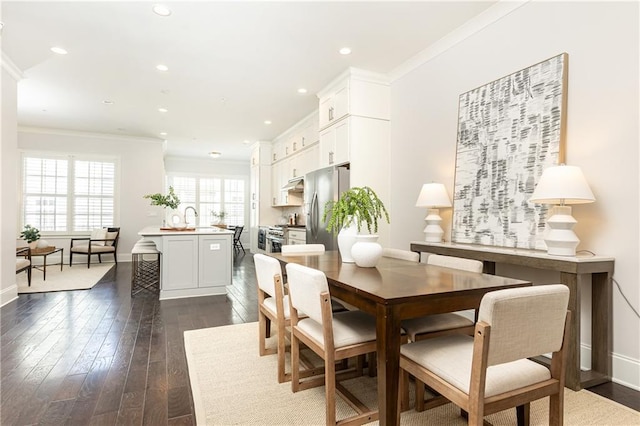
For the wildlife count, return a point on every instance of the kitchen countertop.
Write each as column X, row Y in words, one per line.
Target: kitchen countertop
column 154, row 230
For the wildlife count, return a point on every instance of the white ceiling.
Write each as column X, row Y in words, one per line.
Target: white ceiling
column 232, row 65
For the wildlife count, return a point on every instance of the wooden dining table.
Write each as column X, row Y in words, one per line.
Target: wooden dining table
column 395, row 290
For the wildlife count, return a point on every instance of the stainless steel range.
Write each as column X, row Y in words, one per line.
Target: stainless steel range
column 275, row 239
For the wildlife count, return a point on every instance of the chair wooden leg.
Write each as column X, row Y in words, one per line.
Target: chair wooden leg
column 404, row 390
column 88, row 261
column 70, row 258
column 295, row 364
column 556, row 408
column 330, row 389
column 522, row 414
column 263, row 322
column 281, row 351
column 419, row 396
column 99, row 258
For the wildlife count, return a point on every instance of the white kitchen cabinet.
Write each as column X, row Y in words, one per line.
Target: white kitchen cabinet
column 296, row 236
column 334, row 144
column 354, row 92
column 215, row 257
column 260, row 210
column 194, row 263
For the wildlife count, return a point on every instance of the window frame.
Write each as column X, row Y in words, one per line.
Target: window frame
column 204, row 218
column 71, row 157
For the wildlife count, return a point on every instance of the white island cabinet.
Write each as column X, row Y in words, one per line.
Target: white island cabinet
column 194, row 263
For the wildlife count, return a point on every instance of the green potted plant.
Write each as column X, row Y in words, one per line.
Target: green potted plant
column 220, row 217
column 173, row 217
column 31, row 235
column 356, row 207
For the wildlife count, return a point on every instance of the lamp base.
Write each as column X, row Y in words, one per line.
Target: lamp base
column 560, row 239
column 433, row 231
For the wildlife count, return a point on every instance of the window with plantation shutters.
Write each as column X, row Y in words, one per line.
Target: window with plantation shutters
column 209, row 195
column 65, row 194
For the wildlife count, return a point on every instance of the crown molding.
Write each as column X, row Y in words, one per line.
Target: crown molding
column 466, row 30
column 9, row 66
column 67, row 132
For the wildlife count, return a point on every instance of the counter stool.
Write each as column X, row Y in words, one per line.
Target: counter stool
column 145, row 269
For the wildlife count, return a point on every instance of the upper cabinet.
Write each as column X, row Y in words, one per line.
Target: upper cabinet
column 354, row 93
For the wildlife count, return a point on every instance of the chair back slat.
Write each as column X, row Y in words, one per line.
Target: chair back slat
column 525, row 322
column 267, row 268
column 453, row 262
column 305, row 287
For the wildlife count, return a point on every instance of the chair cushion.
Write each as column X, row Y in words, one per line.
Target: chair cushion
column 110, row 236
column 433, row 323
column 98, row 234
column 270, row 304
column 22, row 263
column 84, row 248
column 349, row 328
column 450, row 358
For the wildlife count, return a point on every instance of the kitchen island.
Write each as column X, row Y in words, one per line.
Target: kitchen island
column 194, row 262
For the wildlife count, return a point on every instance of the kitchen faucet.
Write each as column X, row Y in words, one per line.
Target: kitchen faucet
column 195, row 212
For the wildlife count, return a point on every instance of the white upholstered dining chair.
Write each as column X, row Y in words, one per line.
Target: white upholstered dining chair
column 439, row 324
column 490, row 371
column 297, row 249
column 333, row 337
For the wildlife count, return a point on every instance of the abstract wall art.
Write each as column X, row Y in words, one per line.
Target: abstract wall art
column 509, row 131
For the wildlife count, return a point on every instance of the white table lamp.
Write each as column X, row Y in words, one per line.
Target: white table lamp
column 562, row 185
column 433, row 196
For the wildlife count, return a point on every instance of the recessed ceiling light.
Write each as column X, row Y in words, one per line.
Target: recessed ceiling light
column 163, row 133
column 59, row 50
column 163, row 110
column 215, row 154
column 107, row 102
column 345, row 51
column 161, row 67
column 161, row 10
column 302, row 90
column 267, row 122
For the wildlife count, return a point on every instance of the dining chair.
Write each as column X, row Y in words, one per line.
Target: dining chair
column 273, row 307
column 490, row 371
column 392, row 253
column 102, row 241
column 333, row 337
column 440, row 324
column 23, row 262
column 237, row 244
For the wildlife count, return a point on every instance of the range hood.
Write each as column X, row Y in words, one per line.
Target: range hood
column 294, row 185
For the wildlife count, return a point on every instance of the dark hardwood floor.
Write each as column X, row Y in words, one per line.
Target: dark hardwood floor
column 101, row 357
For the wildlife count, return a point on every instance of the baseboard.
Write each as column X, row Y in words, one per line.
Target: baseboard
column 8, row 294
column 626, row 371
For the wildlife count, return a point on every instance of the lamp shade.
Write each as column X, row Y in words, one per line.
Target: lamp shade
column 433, row 195
column 562, row 185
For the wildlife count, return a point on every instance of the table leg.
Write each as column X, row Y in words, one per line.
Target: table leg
column 388, row 354
column 44, row 268
column 572, row 375
column 601, row 325
column 61, row 258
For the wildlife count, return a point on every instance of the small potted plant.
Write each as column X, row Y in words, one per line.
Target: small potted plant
column 173, row 217
column 220, row 217
column 356, row 207
column 31, row 235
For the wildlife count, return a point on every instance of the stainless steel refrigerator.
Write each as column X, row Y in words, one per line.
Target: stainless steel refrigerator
column 321, row 186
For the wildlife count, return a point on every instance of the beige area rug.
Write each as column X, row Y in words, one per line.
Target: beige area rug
column 78, row 277
column 232, row 384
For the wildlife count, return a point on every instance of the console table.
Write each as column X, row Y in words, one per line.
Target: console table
column 575, row 272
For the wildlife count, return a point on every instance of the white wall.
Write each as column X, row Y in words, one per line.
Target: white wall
column 8, row 190
column 601, row 39
column 141, row 172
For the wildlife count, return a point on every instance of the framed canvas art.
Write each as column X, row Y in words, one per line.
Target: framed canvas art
column 509, row 131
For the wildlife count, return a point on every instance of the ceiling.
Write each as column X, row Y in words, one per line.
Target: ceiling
column 231, row 65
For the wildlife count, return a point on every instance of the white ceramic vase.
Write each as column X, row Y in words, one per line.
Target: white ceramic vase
column 366, row 251
column 346, row 240
column 175, row 219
